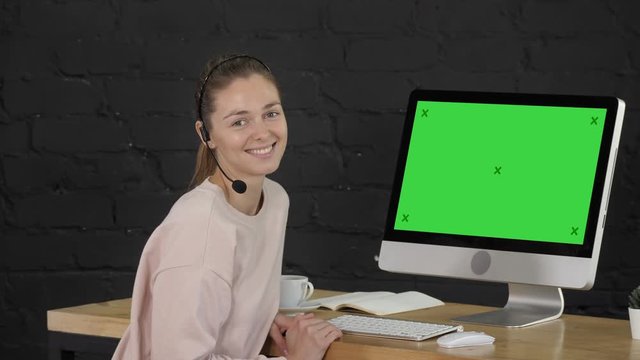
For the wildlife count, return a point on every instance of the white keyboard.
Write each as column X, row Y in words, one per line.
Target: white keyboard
column 391, row 328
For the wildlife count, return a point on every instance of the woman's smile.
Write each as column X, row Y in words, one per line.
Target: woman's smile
column 263, row 152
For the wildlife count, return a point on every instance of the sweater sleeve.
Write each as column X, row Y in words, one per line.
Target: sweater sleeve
column 189, row 308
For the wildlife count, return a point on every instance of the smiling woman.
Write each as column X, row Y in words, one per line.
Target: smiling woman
column 208, row 283
column 218, row 74
column 249, row 131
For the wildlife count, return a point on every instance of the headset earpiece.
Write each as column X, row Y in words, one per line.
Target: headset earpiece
column 204, row 133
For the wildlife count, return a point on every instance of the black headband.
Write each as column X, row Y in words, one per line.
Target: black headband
column 204, row 82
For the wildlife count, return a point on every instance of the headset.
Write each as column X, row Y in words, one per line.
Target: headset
column 238, row 186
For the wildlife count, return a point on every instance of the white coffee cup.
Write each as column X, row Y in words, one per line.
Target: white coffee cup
column 294, row 289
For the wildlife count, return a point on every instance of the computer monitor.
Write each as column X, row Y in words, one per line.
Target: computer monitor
column 508, row 188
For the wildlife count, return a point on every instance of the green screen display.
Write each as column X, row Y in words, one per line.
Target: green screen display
column 505, row 171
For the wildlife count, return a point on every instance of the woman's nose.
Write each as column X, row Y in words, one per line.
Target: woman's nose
column 261, row 130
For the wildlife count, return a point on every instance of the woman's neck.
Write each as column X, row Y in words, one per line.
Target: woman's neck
column 249, row 202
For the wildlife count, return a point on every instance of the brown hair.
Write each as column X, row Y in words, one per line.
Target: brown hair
column 217, row 74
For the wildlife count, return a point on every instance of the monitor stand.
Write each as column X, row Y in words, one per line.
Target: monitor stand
column 527, row 305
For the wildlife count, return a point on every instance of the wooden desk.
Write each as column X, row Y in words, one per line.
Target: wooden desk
column 570, row 337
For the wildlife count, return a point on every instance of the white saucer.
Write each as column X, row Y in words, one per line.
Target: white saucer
column 305, row 306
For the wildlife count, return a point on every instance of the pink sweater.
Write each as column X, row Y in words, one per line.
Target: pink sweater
column 208, row 282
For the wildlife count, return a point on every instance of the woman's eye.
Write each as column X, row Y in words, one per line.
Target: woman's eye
column 238, row 123
column 272, row 114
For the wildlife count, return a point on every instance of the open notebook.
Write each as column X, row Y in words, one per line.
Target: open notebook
column 378, row 302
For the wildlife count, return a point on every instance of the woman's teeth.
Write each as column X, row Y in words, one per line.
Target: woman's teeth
column 262, row 151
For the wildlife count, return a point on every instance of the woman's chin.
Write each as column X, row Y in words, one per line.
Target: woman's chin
column 264, row 171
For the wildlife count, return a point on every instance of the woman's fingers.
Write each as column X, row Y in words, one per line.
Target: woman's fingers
column 283, row 322
column 333, row 335
column 328, row 333
column 309, row 337
column 276, row 335
column 322, row 332
column 303, row 316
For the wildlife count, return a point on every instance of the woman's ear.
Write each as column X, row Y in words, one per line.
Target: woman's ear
column 203, row 134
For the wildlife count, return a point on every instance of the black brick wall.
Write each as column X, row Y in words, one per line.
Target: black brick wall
column 97, row 141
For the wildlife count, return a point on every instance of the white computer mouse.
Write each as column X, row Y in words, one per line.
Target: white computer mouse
column 465, row 338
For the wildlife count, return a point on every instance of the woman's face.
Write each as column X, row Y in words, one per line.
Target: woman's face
column 248, row 128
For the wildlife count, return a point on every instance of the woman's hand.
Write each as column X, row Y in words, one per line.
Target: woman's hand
column 281, row 323
column 308, row 338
